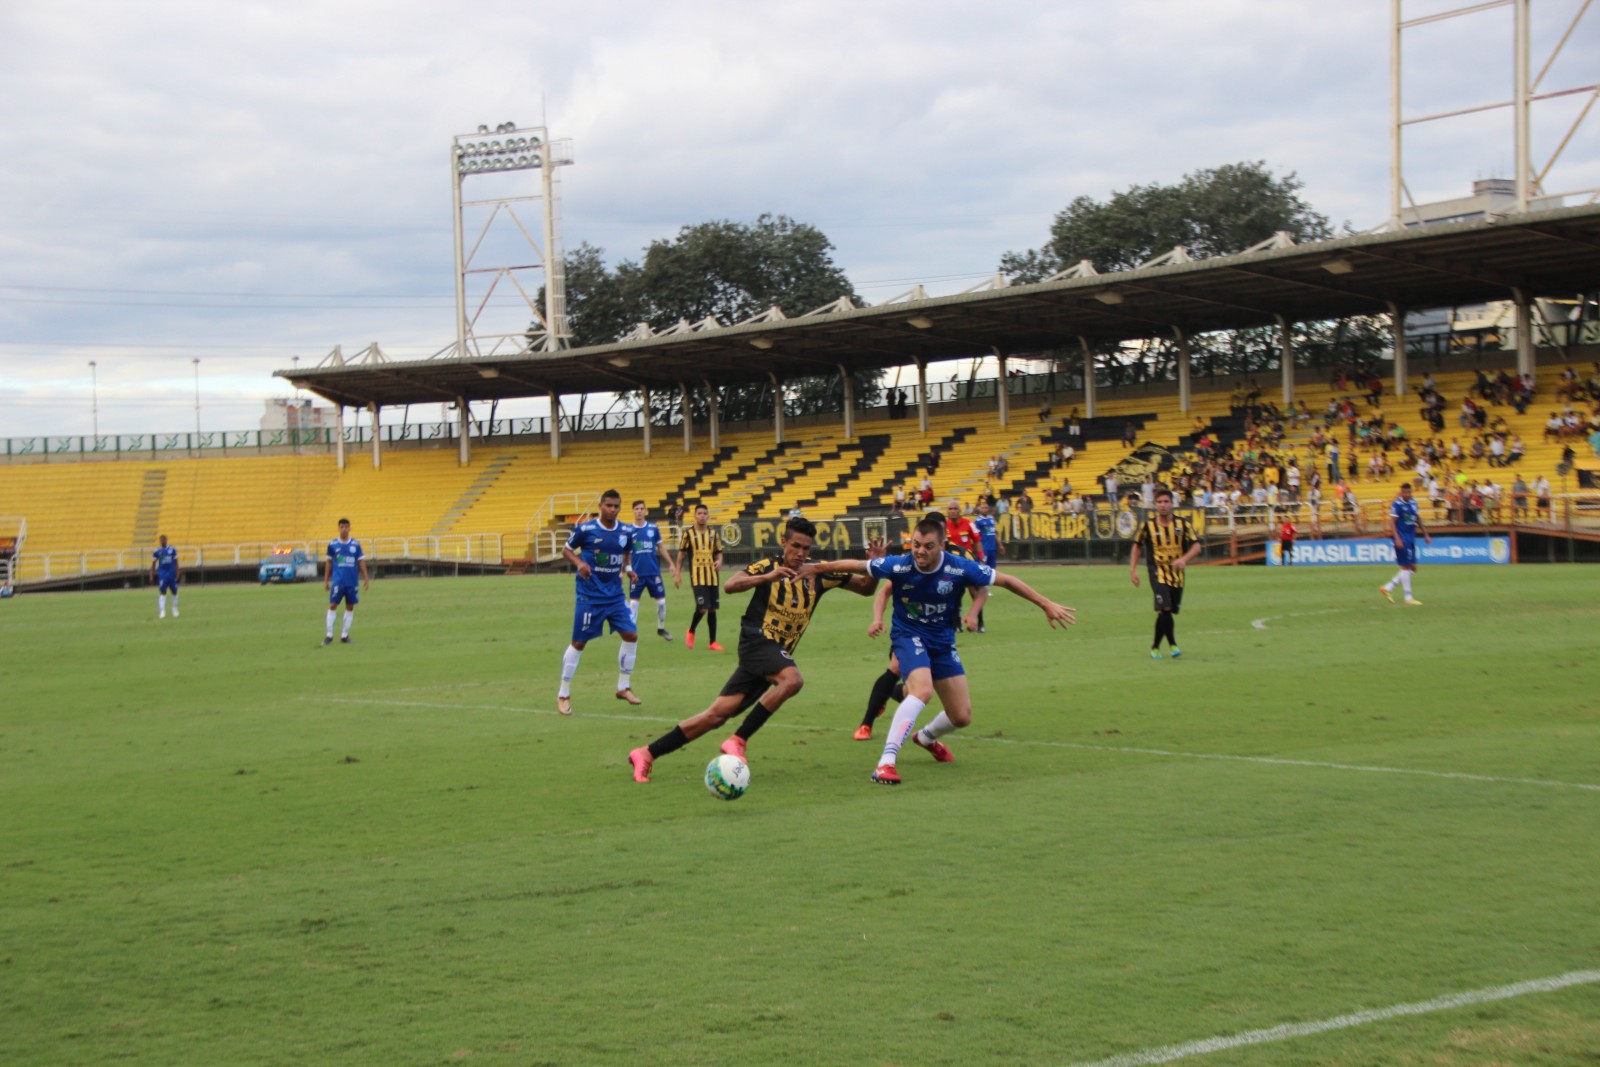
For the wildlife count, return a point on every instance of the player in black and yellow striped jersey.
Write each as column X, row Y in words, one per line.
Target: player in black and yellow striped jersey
column 781, row 607
column 1170, row 542
column 701, row 549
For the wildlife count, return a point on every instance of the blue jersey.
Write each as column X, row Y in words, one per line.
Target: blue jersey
column 987, row 537
column 344, row 563
column 166, row 561
column 603, row 550
column 929, row 605
column 1405, row 516
column 646, row 542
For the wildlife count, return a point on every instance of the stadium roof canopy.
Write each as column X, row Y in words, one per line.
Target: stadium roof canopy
column 1542, row 254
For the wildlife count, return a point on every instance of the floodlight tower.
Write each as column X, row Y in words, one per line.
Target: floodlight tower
column 501, row 247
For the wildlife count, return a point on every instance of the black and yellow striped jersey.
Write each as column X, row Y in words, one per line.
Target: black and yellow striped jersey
column 1163, row 543
column 782, row 610
column 703, row 548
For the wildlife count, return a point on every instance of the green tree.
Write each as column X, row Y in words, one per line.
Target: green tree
column 1215, row 212
column 727, row 271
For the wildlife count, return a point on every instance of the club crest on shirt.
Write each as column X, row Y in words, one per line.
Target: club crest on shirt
column 945, row 587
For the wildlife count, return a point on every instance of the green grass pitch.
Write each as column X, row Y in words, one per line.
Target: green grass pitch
column 221, row 844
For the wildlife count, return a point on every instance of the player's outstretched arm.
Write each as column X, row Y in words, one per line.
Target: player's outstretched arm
column 879, row 604
column 980, row 597
column 743, row 580
column 576, row 560
column 1058, row 614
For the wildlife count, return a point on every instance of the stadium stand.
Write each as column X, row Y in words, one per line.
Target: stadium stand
column 108, row 514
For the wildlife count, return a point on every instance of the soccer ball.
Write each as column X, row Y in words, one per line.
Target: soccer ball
column 727, row 777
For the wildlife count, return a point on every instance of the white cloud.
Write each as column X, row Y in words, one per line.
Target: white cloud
column 292, row 156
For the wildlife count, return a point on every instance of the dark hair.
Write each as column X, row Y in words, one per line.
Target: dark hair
column 1162, row 493
column 344, row 522
column 611, row 494
column 700, row 507
column 636, row 503
column 931, row 524
column 799, row 525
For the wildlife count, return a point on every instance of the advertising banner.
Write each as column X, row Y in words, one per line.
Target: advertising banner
column 1493, row 549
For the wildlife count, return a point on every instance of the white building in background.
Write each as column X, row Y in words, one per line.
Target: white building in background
column 1494, row 322
column 282, row 414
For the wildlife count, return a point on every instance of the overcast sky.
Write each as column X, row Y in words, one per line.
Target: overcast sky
column 243, row 183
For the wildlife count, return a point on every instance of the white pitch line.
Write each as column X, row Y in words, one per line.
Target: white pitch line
column 1325, row 765
column 1261, row 623
column 1451, row 1002
column 1128, row 749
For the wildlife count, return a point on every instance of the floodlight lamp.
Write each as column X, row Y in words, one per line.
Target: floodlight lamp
column 522, row 161
column 1339, row 266
column 619, row 361
column 494, row 146
column 533, row 141
column 483, row 129
column 488, row 372
column 1110, row 296
column 920, row 322
column 762, row 343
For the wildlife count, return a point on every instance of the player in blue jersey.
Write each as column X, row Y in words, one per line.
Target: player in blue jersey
column 347, row 565
column 927, row 587
column 165, row 572
column 989, row 546
column 645, row 568
column 600, row 551
column 1403, row 525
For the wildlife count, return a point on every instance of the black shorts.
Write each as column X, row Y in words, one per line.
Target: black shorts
column 1167, row 597
column 760, row 657
column 707, row 597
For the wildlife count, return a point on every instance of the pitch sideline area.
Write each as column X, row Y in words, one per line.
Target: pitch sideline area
column 394, row 851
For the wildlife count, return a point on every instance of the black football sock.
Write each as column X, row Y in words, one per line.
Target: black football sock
column 711, row 626
column 698, row 615
column 670, row 741
column 1159, row 630
column 1172, row 630
column 754, row 721
column 882, row 687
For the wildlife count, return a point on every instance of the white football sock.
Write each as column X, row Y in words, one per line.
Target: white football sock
column 905, row 720
column 174, row 605
column 349, row 621
column 939, row 727
column 661, row 614
column 569, row 667
column 1405, row 582
column 626, row 657
column 1399, row 576
column 333, row 614
column 633, row 611
column 161, row 603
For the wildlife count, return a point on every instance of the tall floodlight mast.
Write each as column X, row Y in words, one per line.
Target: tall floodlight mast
column 497, row 307
column 1527, row 89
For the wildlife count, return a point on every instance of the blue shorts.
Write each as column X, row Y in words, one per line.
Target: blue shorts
column 991, row 557
column 346, row 593
column 167, row 583
column 912, row 652
column 1405, row 554
column 651, row 582
column 589, row 620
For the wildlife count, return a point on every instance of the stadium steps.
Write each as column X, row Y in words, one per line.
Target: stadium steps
column 689, row 489
column 472, row 494
column 806, row 485
column 876, row 498
column 868, row 451
column 147, row 518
